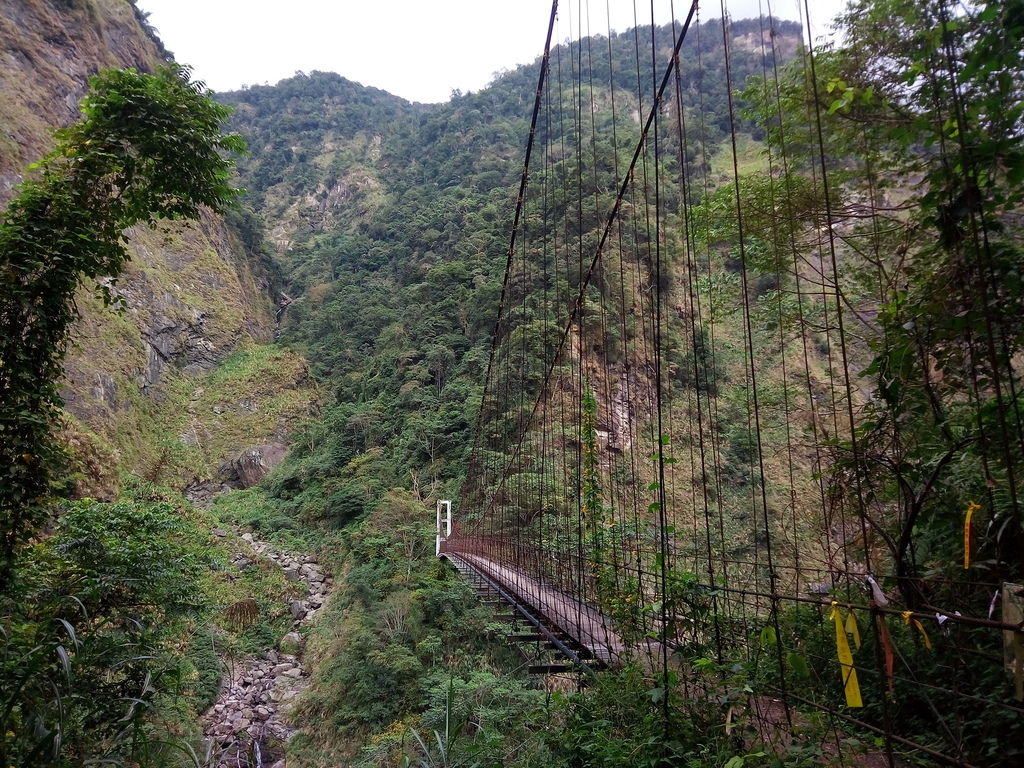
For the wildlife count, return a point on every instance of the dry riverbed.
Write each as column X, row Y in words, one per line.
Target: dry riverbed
column 248, row 725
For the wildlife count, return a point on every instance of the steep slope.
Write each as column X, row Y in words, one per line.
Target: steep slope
column 192, row 295
column 317, row 158
column 178, row 385
column 391, row 221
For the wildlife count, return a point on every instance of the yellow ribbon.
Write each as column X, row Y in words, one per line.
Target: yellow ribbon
column 850, row 685
column 853, row 629
column 971, row 509
column 908, row 617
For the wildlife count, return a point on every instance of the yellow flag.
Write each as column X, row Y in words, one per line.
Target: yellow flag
column 971, row 509
column 850, row 685
column 908, row 618
column 853, row 629
column 924, row 635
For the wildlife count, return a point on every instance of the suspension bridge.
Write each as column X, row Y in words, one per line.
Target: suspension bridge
column 672, row 462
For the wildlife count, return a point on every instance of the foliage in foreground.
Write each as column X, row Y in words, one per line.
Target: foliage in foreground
column 86, row 645
column 90, row 610
column 920, row 134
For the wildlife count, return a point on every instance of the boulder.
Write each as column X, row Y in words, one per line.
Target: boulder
column 252, row 465
column 293, row 643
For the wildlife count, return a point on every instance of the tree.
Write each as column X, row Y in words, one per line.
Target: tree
column 147, row 147
column 921, row 118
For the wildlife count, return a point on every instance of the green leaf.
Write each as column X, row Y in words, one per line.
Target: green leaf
column 798, row 663
column 65, row 662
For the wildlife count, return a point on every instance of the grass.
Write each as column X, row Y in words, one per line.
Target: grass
column 255, row 396
column 208, row 291
column 190, row 422
column 750, row 157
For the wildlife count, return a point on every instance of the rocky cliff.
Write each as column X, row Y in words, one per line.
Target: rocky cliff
column 48, row 50
column 193, row 293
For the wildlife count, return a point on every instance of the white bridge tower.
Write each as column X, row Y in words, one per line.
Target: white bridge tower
column 444, row 515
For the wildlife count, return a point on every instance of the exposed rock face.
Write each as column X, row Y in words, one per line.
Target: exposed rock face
column 190, row 295
column 190, row 299
column 250, row 714
column 48, row 50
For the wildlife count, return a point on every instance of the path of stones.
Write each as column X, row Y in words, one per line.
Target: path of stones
column 245, row 728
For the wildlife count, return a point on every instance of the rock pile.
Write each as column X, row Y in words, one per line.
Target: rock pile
column 246, row 726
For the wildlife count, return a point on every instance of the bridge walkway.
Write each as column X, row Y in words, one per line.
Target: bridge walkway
column 578, row 630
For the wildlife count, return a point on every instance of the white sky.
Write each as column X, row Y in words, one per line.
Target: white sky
column 418, row 49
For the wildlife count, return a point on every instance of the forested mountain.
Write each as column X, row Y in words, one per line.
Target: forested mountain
column 395, row 244
column 286, row 390
column 391, row 221
column 380, row 230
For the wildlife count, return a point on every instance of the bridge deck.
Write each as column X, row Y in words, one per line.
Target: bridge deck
column 584, row 624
